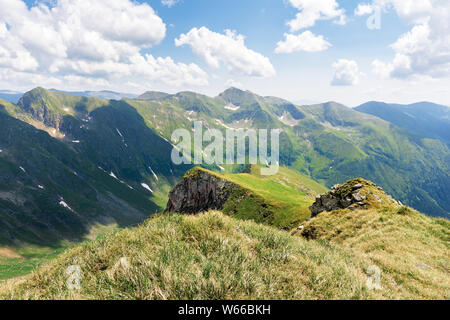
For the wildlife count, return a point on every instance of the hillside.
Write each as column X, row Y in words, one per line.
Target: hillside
column 213, row 256
column 81, row 162
column 50, row 192
column 424, row 119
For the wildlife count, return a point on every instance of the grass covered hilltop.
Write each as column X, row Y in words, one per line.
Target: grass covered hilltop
column 212, row 255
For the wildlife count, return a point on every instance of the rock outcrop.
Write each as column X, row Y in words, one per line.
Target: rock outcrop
column 354, row 194
column 199, row 190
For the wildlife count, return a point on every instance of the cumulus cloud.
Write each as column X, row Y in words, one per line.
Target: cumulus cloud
column 424, row 51
column 230, row 83
column 364, row 9
column 306, row 41
column 345, row 73
column 228, row 49
column 83, row 39
column 311, row 11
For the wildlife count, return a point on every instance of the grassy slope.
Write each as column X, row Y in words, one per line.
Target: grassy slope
column 411, row 249
column 212, row 256
column 281, row 200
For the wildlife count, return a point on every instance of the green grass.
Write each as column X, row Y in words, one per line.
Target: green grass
column 31, row 258
column 280, row 200
column 213, row 256
column 288, row 193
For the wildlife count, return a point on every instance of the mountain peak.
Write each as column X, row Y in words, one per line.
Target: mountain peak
column 153, row 95
column 238, row 97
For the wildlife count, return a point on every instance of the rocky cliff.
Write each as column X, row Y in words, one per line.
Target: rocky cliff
column 198, row 191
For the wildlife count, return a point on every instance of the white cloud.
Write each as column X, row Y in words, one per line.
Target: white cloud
column 364, row 9
column 228, row 49
column 234, row 84
column 311, row 11
column 83, row 39
column 170, row 3
column 424, row 51
column 345, row 73
column 306, row 41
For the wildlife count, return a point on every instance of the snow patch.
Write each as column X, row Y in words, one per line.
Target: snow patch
column 41, row 187
column 113, row 175
column 232, row 107
column 154, row 174
column 64, row 204
column 123, row 139
column 145, row 186
column 223, row 124
column 21, row 168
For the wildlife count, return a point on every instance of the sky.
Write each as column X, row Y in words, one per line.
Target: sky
column 305, row 51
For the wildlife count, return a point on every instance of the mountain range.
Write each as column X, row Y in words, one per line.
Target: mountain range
column 70, row 161
column 424, row 119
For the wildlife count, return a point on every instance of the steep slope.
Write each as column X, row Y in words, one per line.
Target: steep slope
column 112, row 134
column 281, row 200
column 50, row 192
column 213, row 256
column 425, row 119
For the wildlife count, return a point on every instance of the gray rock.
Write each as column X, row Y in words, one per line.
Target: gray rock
column 358, row 197
column 357, row 186
column 199, row 191
column 423, row 266
column 341, row 197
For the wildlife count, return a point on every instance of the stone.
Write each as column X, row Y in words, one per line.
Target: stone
column 199, row 191
column 358, row 197
column 357, row 186
column 350, row 195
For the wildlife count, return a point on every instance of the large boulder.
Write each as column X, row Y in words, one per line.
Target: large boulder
column 199, row 190
column 355, row 194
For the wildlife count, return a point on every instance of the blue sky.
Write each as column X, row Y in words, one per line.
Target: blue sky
column 147, row 45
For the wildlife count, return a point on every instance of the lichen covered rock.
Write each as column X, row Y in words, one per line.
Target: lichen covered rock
column 355, row 194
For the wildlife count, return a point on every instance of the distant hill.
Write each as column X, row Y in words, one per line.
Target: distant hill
column 10, row 96
column 425, row 119
column 153, row 95
column 104, row 94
